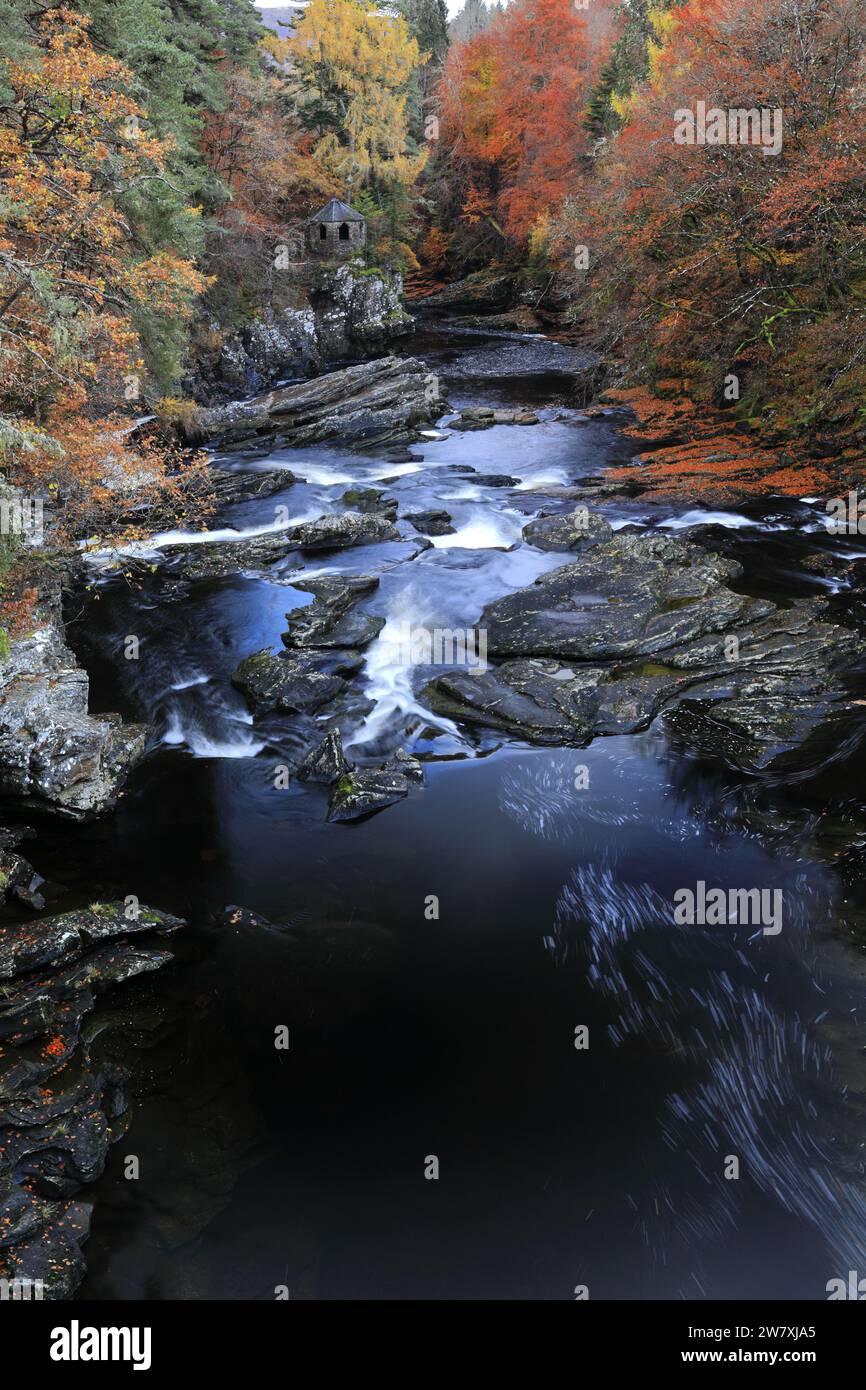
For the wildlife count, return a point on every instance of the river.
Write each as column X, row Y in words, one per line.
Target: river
column 449, row 1031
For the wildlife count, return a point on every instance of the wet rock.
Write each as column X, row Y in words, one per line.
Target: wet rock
column 364, row 791
column 756, row 690
column 828, row 565
column 52, row 1260
column 473, row 418
column 22, row 1214
column 326, row 763
column 239, row 485
column 328, row 622
column 361, row 792
column 64, row 938
column 629, row 596
column 293, row 683
column 370, row 499
column 787, row 700
column 516, row 417
column 434, row 522
column 58, row 1112
column 12, row 835
column 342, row 530
column 54, row 755
column 383, row 402
column 482, row 418
column 568, row 531
column 398, row 453
column 482, row 291
column 520, row 697
column 406, row 764
column 215, row 560
column 551, row 702
column 495, row 480
column 20, row 881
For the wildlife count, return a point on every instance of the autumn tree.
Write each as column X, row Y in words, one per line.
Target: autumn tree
column 513, row 104
column 353, row 68
column 468, row 171
column 739, row 270
column 548, row 59
column 258, row 149
column 76, row 161
column 182, row 55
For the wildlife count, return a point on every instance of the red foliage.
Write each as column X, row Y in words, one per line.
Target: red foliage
column 512, row 103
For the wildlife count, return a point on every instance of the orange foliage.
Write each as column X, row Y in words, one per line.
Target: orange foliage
column 268, row 166
column 512, row 104
column 715, row 259
column 73, row 149
column 434, row 249
column 691, row 453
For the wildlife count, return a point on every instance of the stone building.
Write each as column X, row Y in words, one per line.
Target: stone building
column 336, row 230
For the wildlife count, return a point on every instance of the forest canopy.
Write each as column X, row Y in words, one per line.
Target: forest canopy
column 154, row 152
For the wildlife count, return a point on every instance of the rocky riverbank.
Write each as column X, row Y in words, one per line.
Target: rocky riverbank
column 695, row 452
column 690, row 449
column 379, row 403
column 61, row 1104
column 337, row 313
column 54, row 755
column 61, row 1107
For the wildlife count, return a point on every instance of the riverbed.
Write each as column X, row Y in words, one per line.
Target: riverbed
column 487, row 973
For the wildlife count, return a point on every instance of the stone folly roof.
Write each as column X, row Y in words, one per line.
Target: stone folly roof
column 335, row 211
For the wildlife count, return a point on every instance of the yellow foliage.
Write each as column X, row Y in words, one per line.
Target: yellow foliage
column 622, row 105
column 358, row 63
column 539, row 236
column 664, row 21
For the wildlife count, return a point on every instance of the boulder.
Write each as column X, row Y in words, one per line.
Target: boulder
column 58, row 1116
column 384, row 402
column 326, row 763
column 241, row 484
column 633, row 595
column 494, row 480
column 217, row 559
column 597, row 648
column 342, row 530
column 293, row 683
column 370, row 499
column 364, row 791
column 567, row 531
column 54, row 755
column 482, row 418
column 327, row 622
column 434, row 522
